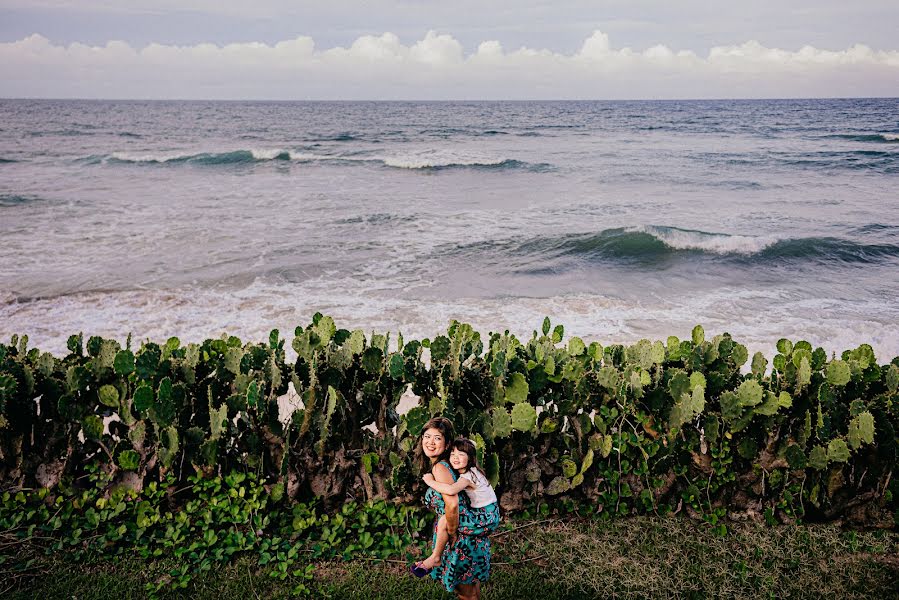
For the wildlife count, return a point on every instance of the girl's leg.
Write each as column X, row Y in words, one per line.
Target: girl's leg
column 442, row 539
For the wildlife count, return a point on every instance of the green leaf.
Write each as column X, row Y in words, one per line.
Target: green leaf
column 569, row 468
column 576, row 346
column 697, row 379
column 784, row 346
column 861, row 430
column 698, row 335
column 769, row 406
column 524, row 417
column 371, row 360
column 838, row 373
column 804, row 373
column 546, row 325
column 92, row 425
column 143, row 397
column 784, row 400
column 892, row 378
column 739, row 355
column 837, row 451
column 357, row 341
column 396, row 366
column 558, row 333
column 759, row 364
column 795, row 457
column 502, row 423
column 124, row 362
column 517, row 388
column 109, row 396
column 750, row 393
column 606, row 448
column 129, row 460
column 491, row 469
column 557, row 486
column 818, row 458
column 325, row 330
column 415, row 419
column 253, row 394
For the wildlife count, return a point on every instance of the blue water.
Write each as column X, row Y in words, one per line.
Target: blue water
column 621, row 220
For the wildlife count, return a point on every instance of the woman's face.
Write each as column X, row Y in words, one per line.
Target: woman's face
column 433, row 443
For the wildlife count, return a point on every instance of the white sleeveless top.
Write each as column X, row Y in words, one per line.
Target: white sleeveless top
column 482, row 495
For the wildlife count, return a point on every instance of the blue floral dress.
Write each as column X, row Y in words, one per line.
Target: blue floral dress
column 468, row 560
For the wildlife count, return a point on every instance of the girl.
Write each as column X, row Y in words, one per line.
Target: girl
column 484, row 510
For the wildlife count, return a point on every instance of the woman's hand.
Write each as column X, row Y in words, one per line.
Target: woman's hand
column 428, row 478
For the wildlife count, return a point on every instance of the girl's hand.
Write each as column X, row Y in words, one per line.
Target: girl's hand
column 428, row 478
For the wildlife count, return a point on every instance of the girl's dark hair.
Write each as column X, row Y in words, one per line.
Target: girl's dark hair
column 444, row 426
column 467, row 446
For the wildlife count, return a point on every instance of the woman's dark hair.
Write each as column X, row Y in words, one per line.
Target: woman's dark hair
column 467, row 446
column 444, row 426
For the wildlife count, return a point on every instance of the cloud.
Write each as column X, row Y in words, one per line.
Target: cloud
column 437, row 67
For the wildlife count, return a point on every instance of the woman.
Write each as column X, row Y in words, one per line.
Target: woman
column 465, row 562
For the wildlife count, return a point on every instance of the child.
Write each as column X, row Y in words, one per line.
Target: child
column 483, row 511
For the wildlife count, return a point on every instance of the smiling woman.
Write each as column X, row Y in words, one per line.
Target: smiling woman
column 465, row 562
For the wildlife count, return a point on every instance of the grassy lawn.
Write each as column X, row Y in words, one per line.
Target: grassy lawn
column 637, row 557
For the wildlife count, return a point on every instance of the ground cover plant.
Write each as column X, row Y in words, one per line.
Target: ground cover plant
column 185, row 451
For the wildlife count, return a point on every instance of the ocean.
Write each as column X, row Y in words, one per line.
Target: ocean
column 620, row 220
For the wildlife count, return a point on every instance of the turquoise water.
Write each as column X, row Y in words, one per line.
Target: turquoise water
column 621, row 220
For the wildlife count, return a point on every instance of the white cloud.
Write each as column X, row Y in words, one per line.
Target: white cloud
column 437, row 66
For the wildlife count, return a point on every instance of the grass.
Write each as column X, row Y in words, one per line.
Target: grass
column 636, row 557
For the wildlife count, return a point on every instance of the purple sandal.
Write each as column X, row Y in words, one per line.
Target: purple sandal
column 418, row 570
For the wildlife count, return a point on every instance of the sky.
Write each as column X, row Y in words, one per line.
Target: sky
column 462, row 49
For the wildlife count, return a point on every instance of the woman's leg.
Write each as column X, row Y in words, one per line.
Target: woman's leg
column 442, row 539
column 469, row 591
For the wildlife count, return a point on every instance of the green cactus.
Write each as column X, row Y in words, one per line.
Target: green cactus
column 838, row 373
column 558, row 485
column 516, row 390
column 168, row 446
column 524, row 417
column 837, row 451
column 502, row 422
column 698, row 335
column 759, row 364
column 861, row 430
column 109, row 396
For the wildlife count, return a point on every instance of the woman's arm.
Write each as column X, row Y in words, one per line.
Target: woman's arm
column 444, row 488
column 450, row 501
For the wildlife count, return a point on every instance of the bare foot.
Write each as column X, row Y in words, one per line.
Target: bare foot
column 430, row 562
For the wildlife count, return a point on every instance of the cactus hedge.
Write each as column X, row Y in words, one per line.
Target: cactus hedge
column 695, row 425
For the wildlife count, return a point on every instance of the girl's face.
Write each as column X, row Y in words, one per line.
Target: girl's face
column 433, row 443
column 459, row 460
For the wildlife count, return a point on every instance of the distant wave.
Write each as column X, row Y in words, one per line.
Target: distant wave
column 887, row 138
column 4, row 161
column 412, row 161
column 658, row 245
column 15, row 199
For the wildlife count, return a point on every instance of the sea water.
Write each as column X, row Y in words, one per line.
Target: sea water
column 620, row 220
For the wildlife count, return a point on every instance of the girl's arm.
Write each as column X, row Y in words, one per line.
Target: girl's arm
column 450, row 501
column 451, row 488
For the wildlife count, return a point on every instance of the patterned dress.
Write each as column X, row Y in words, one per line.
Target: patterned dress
column 468, row 560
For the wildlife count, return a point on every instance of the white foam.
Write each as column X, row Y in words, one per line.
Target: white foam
column 266, row 154
column 890, row 137
column 433, row 161
column 149, row 158
column 250, row 313
column 718, row 243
